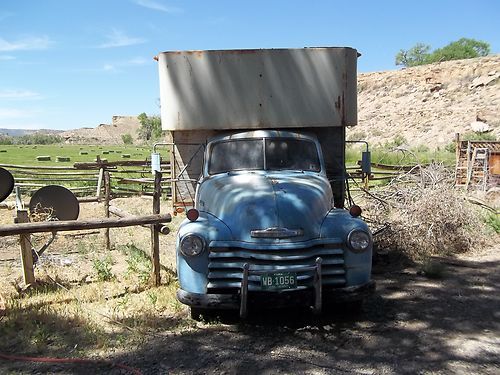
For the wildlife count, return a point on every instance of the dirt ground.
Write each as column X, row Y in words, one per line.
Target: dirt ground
column 412, row 324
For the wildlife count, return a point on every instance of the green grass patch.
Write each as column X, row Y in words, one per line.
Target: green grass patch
column 493, row 221
column 26, row 155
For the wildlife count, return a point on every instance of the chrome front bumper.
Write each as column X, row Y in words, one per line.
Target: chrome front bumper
column 277, row 299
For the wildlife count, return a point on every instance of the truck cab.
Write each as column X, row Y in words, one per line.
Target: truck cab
column 265, row 228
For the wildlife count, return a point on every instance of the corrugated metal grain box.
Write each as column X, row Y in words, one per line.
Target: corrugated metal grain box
column 263, row 88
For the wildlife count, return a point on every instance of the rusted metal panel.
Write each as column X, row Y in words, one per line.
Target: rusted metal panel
column 252, row 89
column 494, row 163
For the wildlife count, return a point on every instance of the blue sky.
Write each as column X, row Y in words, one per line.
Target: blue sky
column 73, row 63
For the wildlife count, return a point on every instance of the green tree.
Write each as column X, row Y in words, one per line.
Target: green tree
column 463, row 48
column 150, row 128
column 127, row 139
column 417, row 55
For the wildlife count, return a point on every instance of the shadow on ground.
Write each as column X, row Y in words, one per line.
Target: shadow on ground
column 412, row 324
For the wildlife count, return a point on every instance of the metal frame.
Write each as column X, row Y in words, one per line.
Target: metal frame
column 317, row 283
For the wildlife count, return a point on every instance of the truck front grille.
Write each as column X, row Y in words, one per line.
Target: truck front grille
column 225, row 268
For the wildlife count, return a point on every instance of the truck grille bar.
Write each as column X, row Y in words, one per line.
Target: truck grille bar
column 226, row 266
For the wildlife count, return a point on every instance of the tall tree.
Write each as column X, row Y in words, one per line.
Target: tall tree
column 463, row 48
column 417, row 55
column 150, row 128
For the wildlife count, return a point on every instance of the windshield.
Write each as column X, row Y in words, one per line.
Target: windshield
column 281, row 154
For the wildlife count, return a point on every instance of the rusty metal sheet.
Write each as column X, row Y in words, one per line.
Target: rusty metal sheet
column 494, row 163
column 255, row 89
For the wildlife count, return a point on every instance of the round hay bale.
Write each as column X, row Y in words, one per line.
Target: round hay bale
column 126, row 156
column 62, row 159
column 43, row 158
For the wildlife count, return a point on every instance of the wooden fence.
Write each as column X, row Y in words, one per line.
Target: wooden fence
column 24, row 228
column 134, row 177
column 128, row 177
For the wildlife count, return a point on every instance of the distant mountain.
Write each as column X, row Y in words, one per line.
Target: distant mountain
column 21, row 132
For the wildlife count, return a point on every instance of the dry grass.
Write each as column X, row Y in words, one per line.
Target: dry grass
column 421, row 214
column 89, row 300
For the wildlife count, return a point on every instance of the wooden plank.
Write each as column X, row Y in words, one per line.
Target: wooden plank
column 99, row 183
column 70, row 225
column 34, row 173
column 37, row 167
column 146, row 181
column 107, row 197
column 26, row 254
column 55, row 179
column 155, row 239
column 108, row 164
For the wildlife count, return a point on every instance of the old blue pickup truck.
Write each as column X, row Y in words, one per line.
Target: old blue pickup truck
column 258, row 164
column 265, row 229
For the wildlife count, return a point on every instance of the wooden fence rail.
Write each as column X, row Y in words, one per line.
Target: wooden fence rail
column 69, row 225
column 86, row 178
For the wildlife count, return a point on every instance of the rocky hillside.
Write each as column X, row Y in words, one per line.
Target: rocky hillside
column 104, row 133
column 428, row 104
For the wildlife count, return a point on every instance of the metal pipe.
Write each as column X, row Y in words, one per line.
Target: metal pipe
column 244, row 292
column 318, row 288
column 365, row 142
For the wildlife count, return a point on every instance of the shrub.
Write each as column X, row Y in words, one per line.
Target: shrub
column 5, row 140
column 127, row 139
column 423, row 215
column 473, row 136
column 493, row 221
column 38, row 139
column 103, row 269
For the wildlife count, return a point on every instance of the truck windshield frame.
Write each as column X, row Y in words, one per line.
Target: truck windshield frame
column 267, row 153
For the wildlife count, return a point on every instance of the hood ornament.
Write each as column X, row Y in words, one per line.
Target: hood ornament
column 276, row 232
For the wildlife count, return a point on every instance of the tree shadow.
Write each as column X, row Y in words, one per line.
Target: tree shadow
column 411, row 324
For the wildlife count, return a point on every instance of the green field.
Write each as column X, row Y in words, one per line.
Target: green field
column 27, row 154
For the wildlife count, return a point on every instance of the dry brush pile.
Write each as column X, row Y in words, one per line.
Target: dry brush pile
column 421, row 214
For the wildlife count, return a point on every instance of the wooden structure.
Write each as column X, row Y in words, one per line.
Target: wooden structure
column 24, row 228
column 477, row 164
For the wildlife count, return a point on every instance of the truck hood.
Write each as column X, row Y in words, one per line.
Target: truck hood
column 275, row 207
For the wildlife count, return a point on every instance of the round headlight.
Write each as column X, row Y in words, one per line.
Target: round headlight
column 192, row 245
column 358, row 240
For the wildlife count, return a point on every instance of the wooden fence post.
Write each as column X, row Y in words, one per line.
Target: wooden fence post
column 107, row 196
column 26, row 254
column 155, row 238
column 98, row 193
